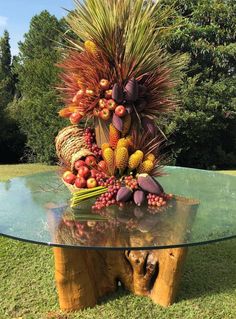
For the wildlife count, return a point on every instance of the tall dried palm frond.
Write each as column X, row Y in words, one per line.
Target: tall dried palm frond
column 128, row 32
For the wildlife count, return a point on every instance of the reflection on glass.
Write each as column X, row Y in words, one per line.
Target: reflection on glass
column 36, row 208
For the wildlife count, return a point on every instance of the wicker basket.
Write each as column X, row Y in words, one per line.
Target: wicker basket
column 72, row 188
column 70, row 145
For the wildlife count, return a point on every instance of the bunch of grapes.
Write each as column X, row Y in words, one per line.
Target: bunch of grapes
column 131, row 182
column 158, row 200
column 104, row 180
column 90, row 140
column 109, row 198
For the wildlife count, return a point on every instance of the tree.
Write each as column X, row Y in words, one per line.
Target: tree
column 203, row 132
column 36, row 109
column 6, row 81
column 11, row 140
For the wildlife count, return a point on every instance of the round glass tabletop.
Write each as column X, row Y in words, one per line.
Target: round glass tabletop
column 36, row 209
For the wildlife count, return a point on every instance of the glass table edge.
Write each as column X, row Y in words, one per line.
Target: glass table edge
column 121, row 248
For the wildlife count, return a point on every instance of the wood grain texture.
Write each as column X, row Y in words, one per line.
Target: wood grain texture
column 84, row 276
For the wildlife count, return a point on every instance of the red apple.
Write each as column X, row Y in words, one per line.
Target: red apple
column 94, row 172
column 84, row 171
column 91, row 183
column 102, row 103
column 78, row 164
column 102, row 166
column 108, row 94
column 105, row 84
column 69, row 177
column 105, row 114
column 78, row 96
column 89, row 92
column 80, row 182
column 80, row 93
column 75, row 118
column 120, row 111
column 91, row 161
column 111, row 105
column 96, row 112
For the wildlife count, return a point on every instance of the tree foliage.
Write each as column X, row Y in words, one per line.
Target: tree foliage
column 37, row 108
column 11, row 140
column 203, row 132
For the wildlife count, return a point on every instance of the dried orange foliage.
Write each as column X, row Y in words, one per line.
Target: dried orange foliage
column 81, row 71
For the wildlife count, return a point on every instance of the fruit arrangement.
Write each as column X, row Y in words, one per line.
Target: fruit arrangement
column 115, row 83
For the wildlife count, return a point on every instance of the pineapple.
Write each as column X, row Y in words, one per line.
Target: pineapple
column 121, row 158
column 135, row 159
column 146, row 167
column 114, row 136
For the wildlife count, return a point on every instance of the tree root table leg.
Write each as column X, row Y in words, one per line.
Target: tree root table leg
column 84, row 276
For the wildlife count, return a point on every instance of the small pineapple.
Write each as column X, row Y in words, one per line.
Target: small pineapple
column 108, row 156
column 104, row 146
column 146, row 167
column 123, row 142
column 129, row 140
column 121, row 158
column 150, row 157
column 126, row 125
column 114, row 136
column 135, row 159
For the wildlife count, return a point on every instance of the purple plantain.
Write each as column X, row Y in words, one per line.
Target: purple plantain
column 124, row 194
column 149, row 184
column 141, row 105
column 131, row 90
column 139, row 197
column 142, row 90
column 117, row 122
column 117, row 93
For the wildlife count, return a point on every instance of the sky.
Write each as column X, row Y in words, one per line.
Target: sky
column 15, row 16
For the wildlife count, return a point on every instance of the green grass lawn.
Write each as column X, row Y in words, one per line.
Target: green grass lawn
column 27, row 289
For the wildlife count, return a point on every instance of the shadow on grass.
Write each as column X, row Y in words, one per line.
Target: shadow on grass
column 209, row 269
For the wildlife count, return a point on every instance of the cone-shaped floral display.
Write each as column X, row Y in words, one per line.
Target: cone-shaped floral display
column 116, row 81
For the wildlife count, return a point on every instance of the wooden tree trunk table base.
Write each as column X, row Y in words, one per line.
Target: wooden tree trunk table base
column 84, row 276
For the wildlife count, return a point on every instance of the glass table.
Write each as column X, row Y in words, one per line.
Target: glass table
column 142, row 248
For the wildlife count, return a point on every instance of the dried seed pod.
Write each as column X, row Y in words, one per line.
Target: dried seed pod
column 135, row 159
column 91, row 47
column 131, row 90
column 117, row 122
column 124, row 194
column 121, row 158
column 149, row 184
column 114, row 136
column 117, row 93
column 127, row 124
column 146, row 167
